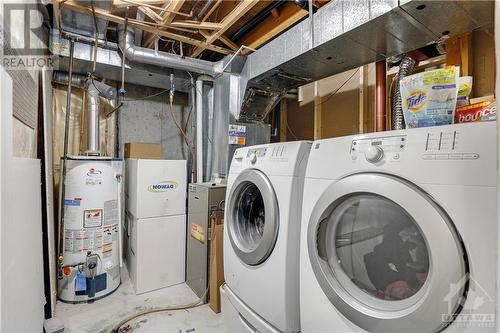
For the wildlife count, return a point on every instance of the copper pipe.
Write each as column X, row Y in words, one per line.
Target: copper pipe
column 380, row 96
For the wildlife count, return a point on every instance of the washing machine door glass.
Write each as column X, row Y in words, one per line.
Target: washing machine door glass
column 252, row 217
column 387, row 255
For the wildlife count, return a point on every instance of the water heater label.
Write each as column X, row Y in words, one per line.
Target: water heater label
column 92, row 218
column 111, row 213
column 93, row 177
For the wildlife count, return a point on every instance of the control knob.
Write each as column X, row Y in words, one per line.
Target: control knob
column 374, row 154
column 253, row 158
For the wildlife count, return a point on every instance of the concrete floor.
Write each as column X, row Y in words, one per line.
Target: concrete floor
column 102, row 315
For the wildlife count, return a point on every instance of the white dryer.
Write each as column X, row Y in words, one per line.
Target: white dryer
column 261, row 236
column 399, row 232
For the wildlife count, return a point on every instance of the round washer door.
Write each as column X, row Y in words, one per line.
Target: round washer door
column 386, row 255
column 253, row 218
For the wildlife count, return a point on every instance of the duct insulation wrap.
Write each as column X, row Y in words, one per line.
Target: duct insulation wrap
column 92, row 119
column 92, row 227
column 95, row 89
column 405, row 68
column 204, row 127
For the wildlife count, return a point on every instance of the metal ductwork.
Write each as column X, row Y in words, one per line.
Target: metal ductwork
column 77, row 80
column 95, row 89
column 405, row 68
column 109, row 63
column 349, row 34
column 204, row 127
column 83, row 24
column 139, row 54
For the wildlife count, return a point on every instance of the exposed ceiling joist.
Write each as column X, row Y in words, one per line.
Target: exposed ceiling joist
column 150, row 13
column 196, row 25
column 133, row 3
column 123, row 4
column 240, row 10
column 288, row 15
column 142, row 25
column 229, row 43
column 168, row 17
column 211, row 10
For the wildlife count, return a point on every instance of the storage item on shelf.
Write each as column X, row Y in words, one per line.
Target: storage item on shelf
column 430, row 98
column 143, row 150
column 481, row 111
column 464, row 90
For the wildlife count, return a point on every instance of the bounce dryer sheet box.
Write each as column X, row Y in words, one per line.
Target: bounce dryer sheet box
column 430, row 98
column 482, row 111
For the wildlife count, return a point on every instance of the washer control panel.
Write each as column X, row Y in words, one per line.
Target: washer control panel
column 445, row 145
column 376, row 149
column 259, row 152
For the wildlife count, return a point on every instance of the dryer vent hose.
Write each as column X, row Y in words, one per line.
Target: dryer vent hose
column 405, row 68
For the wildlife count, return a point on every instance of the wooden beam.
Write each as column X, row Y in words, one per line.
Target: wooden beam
column 289, row 14
column 229, row 43
column 243, row 7
column 123, row 4
column 363, row 99
column 196, row 25
column 283, row 120
column 150, row 13
column 57, row 15
column 162, row 10
column 142, row 25
column 459, row 53
column 211, row 10
column 168, row 17
column 318, row 126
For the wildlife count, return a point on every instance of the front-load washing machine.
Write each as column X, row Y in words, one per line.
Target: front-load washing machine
column 261, row 237
column 399, row 232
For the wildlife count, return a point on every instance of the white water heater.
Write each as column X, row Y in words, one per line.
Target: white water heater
column 92, row 228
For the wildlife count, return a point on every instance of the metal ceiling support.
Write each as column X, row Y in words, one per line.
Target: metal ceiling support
column 148, row 56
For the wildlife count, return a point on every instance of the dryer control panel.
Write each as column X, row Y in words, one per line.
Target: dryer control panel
column 375, row 149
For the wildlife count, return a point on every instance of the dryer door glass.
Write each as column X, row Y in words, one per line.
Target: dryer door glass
column 252, row 217
column 378, row 245
column 386, row 254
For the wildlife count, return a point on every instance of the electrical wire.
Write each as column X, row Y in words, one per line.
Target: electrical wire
column 145, row 97
column 341, row 86
column 186, row 140
column 198, row 302
column 291, row 132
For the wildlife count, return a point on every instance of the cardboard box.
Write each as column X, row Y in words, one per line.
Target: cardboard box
column 216, row 276
column 140, row 150
column 482, row 111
